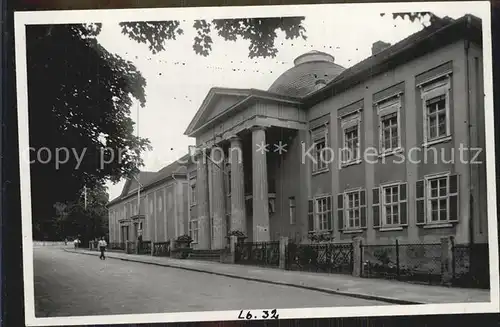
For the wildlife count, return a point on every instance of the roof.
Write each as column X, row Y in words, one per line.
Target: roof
column 445, row 31
column 310, row 71
column 245, row 98
column 144, row 178
column 150, row 179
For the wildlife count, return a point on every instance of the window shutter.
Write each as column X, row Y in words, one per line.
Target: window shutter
column 403, row 204
column 379, row 134
column 420, row 202
column 454, row 203
column 329, row 201
column 376, row 207
column 340, row 211
column 362, row 208
column 310, row 216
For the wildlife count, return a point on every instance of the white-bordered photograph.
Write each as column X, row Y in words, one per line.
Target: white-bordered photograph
column 256, row 163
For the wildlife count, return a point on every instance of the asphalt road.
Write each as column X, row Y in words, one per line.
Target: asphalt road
column 69, row 284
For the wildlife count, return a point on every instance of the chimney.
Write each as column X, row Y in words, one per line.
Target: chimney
column 379, row 46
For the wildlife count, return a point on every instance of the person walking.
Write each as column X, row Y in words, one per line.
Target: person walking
column 102, row 247
column 75, row 242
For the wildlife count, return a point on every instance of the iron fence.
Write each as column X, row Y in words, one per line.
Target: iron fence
column 471, row 265
column 323, row 257
column 161, row 249
column 258, row 253
column 117, row 246
column 427, row 263
column 144, row 247
column 409, row 262
column 131, row 247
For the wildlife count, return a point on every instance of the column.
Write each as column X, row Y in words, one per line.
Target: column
column 260, row 194
column 238, row 214
column 202, row 201
column 218, row 198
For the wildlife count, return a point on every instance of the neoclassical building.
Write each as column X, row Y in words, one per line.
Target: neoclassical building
column 386, row 149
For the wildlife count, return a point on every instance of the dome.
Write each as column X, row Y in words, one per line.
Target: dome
column 311, row 71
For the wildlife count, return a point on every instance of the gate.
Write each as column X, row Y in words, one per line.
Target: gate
column 328, row 257
column 258, row 253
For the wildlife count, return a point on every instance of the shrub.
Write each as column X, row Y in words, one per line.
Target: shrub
column 184, row 238
column 236, row 233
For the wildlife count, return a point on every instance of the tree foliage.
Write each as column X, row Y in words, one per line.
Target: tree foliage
column 419, row 16
column 77, row 219
column 79, row 98
column 261, row 32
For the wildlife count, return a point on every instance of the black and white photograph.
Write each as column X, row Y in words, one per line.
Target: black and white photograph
column 256, row 163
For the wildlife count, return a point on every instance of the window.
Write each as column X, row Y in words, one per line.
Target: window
column 438, row 196
column 193, row 193
column 291, row 205
column 319, row 137
column 391, row 205
column 437, row 199
column 436, row 117
column 323, row 213
column 193, row 230
column 389, row 124
column 436, row 108
column 319, row 147
column 351, row 139
column 353, row 210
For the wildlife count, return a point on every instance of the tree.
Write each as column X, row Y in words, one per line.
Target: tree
column 261, row 32
column 81, row 133
column 80, row 97
column 420, row 16
column 79, row 219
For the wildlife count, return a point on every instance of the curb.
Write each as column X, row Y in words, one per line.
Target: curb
column 317, row 289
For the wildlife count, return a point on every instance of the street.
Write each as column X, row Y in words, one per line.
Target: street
column 70, row 284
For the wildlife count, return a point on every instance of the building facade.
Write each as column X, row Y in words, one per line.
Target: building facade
column 390, row 148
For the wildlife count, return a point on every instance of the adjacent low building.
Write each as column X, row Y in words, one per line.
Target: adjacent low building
column 382, row 150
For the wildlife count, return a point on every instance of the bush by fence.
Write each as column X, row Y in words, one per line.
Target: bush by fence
column 432, row 263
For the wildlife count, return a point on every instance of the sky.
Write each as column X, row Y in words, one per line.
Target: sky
column 178, row 79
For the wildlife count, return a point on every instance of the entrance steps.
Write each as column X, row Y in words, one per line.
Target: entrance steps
column 206, row 255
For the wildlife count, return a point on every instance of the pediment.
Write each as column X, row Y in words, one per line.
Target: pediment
column 216, row 102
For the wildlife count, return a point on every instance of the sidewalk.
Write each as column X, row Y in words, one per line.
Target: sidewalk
column 371, row 289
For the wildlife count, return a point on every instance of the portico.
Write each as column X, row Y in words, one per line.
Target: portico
column 232, row 130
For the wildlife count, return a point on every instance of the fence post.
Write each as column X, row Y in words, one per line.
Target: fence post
column 357, row 257
column 446, row 259
column 283, row 244
column 232, row 248
column 397, row 259
column 152, row 248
